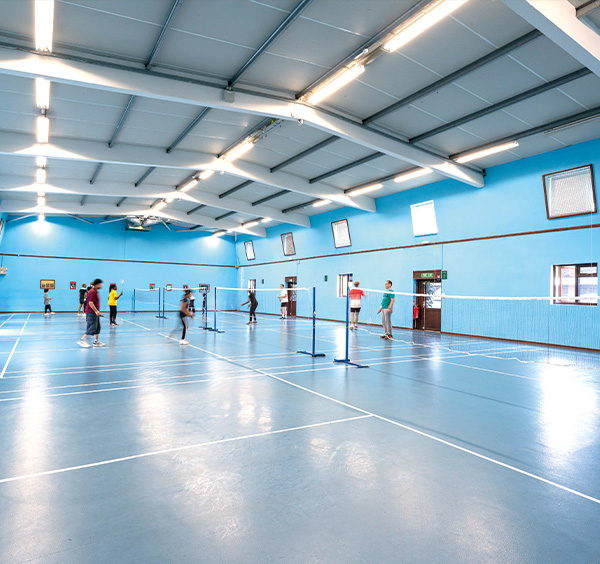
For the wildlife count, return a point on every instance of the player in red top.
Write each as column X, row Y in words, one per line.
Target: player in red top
column 355, row 300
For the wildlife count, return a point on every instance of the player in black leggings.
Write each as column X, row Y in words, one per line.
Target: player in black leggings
column 253, row 305
column 184, row 313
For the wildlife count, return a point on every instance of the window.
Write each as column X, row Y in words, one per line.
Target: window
column 343, row 281
column 575, row 284
column 252, row 284
column 287, row 240
column 249, row 246
column 341, row 233
column 423, row 219
column 570, row 192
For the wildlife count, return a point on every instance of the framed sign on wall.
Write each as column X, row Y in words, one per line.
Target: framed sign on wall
column 46, row 284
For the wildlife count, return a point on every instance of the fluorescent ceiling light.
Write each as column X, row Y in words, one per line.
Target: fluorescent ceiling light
column 571, row 124
column 206, row 174
column 250, row 224
column 238, row 151
column 219, row 233
column 41, row 201
column 41, row 217
column 42, row 93
column 321, row 203
column 40, row 175
column 159, row 205
column 336, row 83
column 485, row 152
column 41, row 161
column 421, row 22
column 169, row 199
column 189, row 185
column 266, row 220
column 44, row 24
column 41, row 194
column 366, row 189
column 412, row 175
column 43, row 129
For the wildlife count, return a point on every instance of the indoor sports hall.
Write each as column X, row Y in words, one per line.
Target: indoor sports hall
column 299, row 282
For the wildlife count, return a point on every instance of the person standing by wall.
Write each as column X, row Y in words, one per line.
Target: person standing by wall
column 92, row 316
column 387, row 306
column 355, row 302
column 47, row 300
column 82, row 295
column 112, row 304
column 283, row 298
column 184, row 313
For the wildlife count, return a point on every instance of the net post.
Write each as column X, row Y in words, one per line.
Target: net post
column 214, row 327
column 134, row 300
column 346, row 359
column 314, row 354
column 161, row 312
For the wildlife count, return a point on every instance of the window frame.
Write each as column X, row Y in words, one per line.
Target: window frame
column 560, row 300
column 417, row 205
column 333, row 234
column 283, row 236
column 342, row 289
column 249, row 244
column 548, row 216
column 252, row 284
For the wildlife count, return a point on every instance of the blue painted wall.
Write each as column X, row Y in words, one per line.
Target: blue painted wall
column 66, row 237
column 512, row 201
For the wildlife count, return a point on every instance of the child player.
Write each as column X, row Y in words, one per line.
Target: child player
column 355, row 301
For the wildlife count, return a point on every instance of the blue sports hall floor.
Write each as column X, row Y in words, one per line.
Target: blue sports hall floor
column 235, row 449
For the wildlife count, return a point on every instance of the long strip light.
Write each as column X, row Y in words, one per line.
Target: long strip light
column 206, row 174
column 249, row 224
column 41, row 217
column 40, row 176
column 321, row 203
column 266, row 220
column 41, row 201
column 42, row 93
column 412, row 175
column 421, row 22
column 41, row 161
column 219, row 233
column 159, row 205
column 366, row 189
column 189, row 185
column 485, row 152
column 43, row 129
column 239, row 150
column 343, row 78
column 44, row 24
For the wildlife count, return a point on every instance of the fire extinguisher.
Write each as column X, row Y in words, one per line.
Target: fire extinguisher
column 415, row 311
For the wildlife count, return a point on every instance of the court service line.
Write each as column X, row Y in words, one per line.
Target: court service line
column 421, row 433
column 6, row 320
column 177, row 449
column 9, row 357
column 23, row 328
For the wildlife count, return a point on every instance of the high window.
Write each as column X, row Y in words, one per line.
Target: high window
column 575, row 284
column 287, row 240
column 249, row 247
column 343, row 281
column 570, row 192
column 423, row 218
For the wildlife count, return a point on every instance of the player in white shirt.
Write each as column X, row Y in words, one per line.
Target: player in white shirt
column 283, row 298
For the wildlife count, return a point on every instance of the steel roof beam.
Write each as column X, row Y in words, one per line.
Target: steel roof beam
column 503, row 104
column 235, row 189
column 163, row 32
column 485, row 60
column 271, row 197
column 144, row 176
column 305, row 153
column 346, row 167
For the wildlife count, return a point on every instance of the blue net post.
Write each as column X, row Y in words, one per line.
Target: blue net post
column 346, row 359
column 134, row 300
column 214, row 327
column 161, row 304
column 313, row 353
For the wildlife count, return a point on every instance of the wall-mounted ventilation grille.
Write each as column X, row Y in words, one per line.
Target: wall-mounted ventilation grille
column 570, row 192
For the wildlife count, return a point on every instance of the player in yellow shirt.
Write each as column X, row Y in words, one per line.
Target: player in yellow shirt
column 112, row 303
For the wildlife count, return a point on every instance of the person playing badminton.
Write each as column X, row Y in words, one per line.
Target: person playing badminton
column 184, row 313
column 112, row 303
column 283, row 298
column 387, row 305
column 355, row 302
column 253, row 305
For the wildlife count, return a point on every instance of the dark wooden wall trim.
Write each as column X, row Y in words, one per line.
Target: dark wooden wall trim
column 449, row 242
column 117, row 260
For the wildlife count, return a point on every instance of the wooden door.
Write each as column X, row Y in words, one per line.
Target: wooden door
column 429, row 305
column 291, row 283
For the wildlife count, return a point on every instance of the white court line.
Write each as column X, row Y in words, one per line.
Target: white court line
column 178, row 449
column 7, row 320
column 489, row 370
column 9, row 357
column 418, row 432
column 23, row 328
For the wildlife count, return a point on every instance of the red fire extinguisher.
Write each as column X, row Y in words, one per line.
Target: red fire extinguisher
column 415, row 311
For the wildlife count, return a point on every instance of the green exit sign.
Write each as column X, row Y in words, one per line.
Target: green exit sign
column 427, row 274
column 444, row 275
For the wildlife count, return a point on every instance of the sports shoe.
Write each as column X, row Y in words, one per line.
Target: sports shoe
column 249, row 323
column 183, row 342
column 255, row 321
column 99, row 344
column 383, row 336
column 47, row 314
column 52, row 312
column 83, row 344
column 115, row 324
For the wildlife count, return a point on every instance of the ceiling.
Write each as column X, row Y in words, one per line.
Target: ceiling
column 100, row 81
